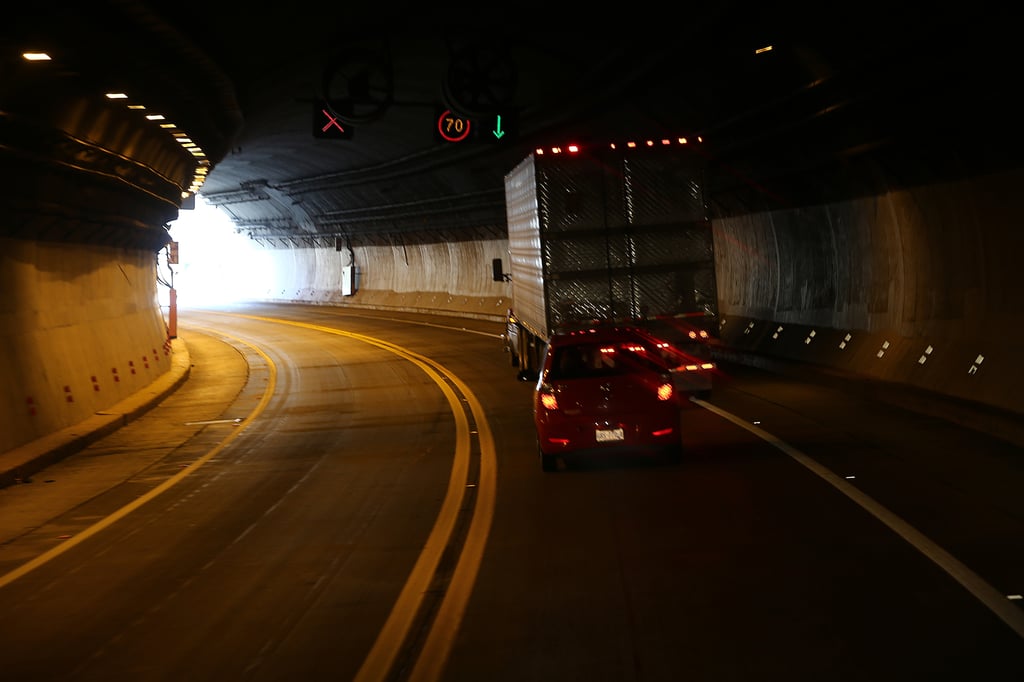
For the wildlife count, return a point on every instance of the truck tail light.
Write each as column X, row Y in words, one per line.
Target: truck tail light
column 697, row 367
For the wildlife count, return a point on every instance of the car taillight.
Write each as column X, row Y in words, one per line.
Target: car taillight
column 665, row 391
column 547, row 398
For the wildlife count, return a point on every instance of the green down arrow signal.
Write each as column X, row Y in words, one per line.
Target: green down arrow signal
column 498, row 132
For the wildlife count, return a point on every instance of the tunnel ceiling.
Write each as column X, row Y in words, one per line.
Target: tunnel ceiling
column 849, row 100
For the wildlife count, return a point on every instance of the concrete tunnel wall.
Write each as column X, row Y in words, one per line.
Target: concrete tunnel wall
column 920, row 286
column 80, row 330
column 451, row 278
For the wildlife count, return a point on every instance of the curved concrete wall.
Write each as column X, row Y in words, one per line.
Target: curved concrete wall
column 80, row 330
column 443, row 278
column 920, row 286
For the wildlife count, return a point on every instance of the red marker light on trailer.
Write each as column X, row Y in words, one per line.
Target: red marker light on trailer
column 615, row 146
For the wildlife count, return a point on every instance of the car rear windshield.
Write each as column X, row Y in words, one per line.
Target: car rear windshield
column 588, row 360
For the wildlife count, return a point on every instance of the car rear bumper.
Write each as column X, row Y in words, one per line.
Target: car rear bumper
column 649, row 437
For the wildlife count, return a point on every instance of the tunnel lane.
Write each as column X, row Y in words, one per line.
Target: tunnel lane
column 995, row 601
column 482, row 480
column 286, row 555
column 434, row 594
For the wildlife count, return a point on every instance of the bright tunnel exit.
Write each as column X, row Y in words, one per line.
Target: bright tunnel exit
column 216, row 265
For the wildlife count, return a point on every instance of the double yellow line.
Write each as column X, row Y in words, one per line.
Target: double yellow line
column 435, row 651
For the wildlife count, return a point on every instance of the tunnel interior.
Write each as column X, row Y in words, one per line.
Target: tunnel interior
column 861, row 173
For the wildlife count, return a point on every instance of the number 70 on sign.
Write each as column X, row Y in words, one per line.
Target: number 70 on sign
column 453, row 127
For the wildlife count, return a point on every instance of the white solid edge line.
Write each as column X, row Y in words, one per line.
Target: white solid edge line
column 971, row 581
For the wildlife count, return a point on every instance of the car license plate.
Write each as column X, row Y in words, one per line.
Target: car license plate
column 609, row 435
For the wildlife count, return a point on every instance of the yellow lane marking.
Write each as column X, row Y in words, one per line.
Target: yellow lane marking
column 163, row 487
column 441, row 637
column 434, row 654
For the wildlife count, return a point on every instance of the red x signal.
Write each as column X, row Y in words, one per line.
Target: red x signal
column 331, row 122
column 326, row 124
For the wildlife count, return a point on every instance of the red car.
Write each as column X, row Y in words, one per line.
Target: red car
column 605, row 389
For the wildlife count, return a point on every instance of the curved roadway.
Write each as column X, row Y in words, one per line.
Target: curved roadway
column 341, row 495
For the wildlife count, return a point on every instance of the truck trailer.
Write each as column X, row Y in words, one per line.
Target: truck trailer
column 607, row 235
